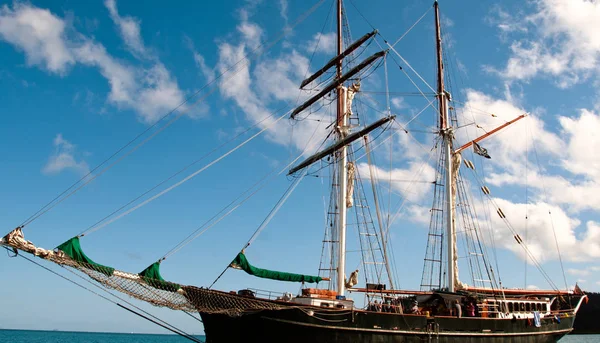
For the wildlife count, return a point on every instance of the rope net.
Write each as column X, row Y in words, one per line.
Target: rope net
column 154, row 291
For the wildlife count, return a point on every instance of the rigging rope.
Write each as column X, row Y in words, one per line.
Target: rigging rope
column 187, row 178
column 430, row 102
column 179, row 172
column 409, row 66
column 405, row 198
column 164, row 324
column 266, row 221
column 246, row 59
column 275, row 209
column 514, row 232
column 562, row 267
column 413, row 25
column 197, row 233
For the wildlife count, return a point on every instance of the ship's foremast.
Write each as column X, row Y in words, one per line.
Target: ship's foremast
column 343, row 138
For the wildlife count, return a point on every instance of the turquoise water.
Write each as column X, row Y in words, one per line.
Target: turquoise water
column 18, row 336
column 580, row 339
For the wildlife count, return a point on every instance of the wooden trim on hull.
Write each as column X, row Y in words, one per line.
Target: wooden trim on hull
column 405, row 332
column 524, row 292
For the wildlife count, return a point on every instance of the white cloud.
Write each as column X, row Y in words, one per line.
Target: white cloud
column 283, row 9
column 583, row 143
column 207, row 72
column 159, row 95
column 419, row 214
column 129, row 28
column 578, row 272
column 563, row 43
column 63, row 158
column 279, row 78
column 151, row 92
column 251, row 32
column 398, row 103
column 259, row 91
column 122, row 79
column 575, row 195
column 570, row 186
column 508, row 148
column 323, row 43
column 39, row 33
column 537, row 232
column 506, row 22
column 413, row 183
column 572, row 151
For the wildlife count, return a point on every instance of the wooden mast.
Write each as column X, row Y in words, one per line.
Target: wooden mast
column 446, row 133
column 342, row 162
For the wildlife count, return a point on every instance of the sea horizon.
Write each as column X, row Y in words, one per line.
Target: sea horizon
column 103, row 332
column 59, row 336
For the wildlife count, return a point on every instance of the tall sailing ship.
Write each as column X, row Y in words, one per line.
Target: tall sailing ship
column 443, row 310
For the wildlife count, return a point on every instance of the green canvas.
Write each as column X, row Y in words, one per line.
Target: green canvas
column 241, row 262
column 72, row 248
column 151, row 276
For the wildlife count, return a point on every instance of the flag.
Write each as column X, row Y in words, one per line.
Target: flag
column 480, row 151
column 577, row 290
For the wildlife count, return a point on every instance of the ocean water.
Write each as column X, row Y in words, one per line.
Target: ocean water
column 580, row 339
column 19, row 336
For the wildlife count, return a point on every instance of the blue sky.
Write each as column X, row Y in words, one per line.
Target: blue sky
column 80, row 79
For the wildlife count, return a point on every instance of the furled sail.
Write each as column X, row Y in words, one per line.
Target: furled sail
column 350, row 190
column 456, row 161
column 72, row 248
column 151, row 276
column 242, row 263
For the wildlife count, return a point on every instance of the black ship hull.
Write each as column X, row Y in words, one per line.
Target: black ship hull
column 587, row 316
column 230, row 318
column 305, row 324
column 295, row 325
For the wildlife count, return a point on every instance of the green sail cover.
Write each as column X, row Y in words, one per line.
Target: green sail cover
column 151, row 276
column 72, row 248
column 241, row 262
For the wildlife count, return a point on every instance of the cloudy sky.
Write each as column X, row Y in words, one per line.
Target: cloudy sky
column 78, row 81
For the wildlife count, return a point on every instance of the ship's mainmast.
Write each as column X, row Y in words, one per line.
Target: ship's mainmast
column 342, row 122
column 446, row 133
